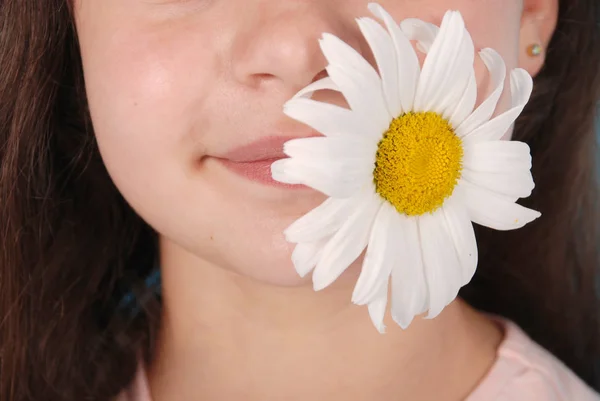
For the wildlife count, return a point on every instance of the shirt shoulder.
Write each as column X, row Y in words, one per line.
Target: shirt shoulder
column 525, row 371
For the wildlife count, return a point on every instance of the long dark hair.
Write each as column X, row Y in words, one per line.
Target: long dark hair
column 71, row 246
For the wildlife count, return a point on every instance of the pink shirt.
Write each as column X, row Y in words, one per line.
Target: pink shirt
column 523, row 371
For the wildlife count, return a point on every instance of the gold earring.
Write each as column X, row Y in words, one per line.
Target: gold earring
column 534, row 50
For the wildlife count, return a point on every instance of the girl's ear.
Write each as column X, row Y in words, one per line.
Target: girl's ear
column 538, row 23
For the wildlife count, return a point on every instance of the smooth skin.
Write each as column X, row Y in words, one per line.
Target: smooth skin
column 174, row 83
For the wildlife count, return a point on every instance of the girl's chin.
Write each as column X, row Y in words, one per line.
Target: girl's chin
column 287, row 276
column 278, row 277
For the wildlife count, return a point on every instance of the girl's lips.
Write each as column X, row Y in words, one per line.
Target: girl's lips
column 258, row 171
column 253, row 161
column 268, row 148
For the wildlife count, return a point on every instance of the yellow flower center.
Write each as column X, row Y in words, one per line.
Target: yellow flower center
column 418, row 163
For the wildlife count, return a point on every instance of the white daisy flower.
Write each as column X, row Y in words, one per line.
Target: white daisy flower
column 408, row 167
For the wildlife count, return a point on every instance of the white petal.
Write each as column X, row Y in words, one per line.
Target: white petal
column 366, row 100
column 461, row 81
column 409, row 290
column 347, row 243
column 380, row 256
column 340, row 178
column 442, row 267
column 322, row 221
column 407, row 61
column 446, row 69
column 423, row 32
column 306, row 255
column 383, row 50
column 280, row 172
column 338, row 52
column 322, row 84
column 361, row 148
column 464, row 185
column 521, row 85
column 466, row 104
column 513, row 184
column 358, row 81
column 328, row 119
column 378, row 306
column 493, row 210
column 461, row 230
column 497, row 69
column 497, row 156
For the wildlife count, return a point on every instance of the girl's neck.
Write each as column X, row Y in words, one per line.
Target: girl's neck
column 227, row 337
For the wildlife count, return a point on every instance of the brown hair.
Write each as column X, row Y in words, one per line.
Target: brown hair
column 71, row 246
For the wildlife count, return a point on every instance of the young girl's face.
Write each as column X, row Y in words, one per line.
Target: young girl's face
column 183, row 92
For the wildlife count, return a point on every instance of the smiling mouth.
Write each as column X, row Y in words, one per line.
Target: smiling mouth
column 253, row 161
column 257, row 171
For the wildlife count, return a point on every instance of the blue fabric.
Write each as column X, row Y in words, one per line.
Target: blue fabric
column 129, row 301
